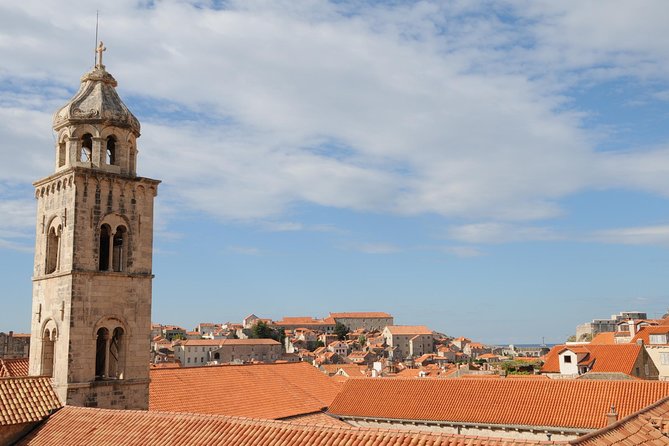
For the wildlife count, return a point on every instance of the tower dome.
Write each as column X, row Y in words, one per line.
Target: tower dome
column 95, row 128
column 96, row 102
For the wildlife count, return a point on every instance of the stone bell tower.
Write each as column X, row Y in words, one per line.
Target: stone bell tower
column 91, row 311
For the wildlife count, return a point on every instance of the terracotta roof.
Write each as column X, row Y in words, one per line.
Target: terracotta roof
column 319, row 418
column 304, row 321
column 352, row 369
column 26, row 399
column 606, row 338
column 515, row 376
column 13, row 367
column 79, row 426
column 408, row 330
column 645, row 427
column 645, row 332
column 269, row 391
column 558, row 403
column 607, row 358
column 479, row 376
column 360, row 315
column 221, row 342
column 339, row 378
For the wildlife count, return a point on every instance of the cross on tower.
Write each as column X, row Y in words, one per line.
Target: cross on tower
column 99, row 50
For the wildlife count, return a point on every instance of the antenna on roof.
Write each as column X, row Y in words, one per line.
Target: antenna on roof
column 97, row 19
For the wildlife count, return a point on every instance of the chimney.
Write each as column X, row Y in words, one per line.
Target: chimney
column 612, row 416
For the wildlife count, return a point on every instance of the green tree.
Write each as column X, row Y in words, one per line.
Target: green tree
column 262, row 331
column 280, row 335
column 362, row 340
column 341, row 331
column 571, row 338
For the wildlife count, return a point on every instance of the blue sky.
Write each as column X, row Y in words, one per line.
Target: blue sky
column 498, row 170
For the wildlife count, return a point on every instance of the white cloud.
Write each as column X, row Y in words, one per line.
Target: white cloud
column 464, row 251
column 18, row 224
column 376, row 248
column 499, row 233
column 407, row 109
column 644, row 235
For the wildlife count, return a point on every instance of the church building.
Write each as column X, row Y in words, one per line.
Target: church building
column 92, row 277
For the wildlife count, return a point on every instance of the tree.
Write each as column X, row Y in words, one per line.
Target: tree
column 280, row 335
column 341, row 331
column 571, row 338
column 262, row 331
column 362, row 340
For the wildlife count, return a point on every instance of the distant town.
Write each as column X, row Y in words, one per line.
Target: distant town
column 354, row 344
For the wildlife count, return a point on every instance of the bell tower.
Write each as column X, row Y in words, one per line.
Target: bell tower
column 91, row 310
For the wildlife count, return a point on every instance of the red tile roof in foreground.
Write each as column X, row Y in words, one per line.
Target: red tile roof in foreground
column 269, row 391
column 26, row 399
column 79, row 426
column 647, row 427
column 607, row 358
column 557, row 403
column 13, row 367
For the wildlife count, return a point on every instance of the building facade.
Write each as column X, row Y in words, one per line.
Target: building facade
column 14, row 345
column 92, row 277
column 368, row 321
column 199, row 352
column 408, row 340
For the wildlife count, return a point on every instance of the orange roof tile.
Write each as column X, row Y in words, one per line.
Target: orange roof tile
column 606, row 338
column 79, row 426
column 221, row 342
column 26, row 399
column 645, row 427
column 408, row 330
column 557, row 403
column 607, row 358
column 339, row 378
column 645, row 332
column 260, row 390
column 479, row 376
column 319, row 418
column 352, row 369
column 516, row 376
column 360, row 315
column 13, row 367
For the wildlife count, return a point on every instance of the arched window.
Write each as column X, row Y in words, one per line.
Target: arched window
column 115, row 354
column 102, row 337
column 105, row 238
column 86, row 155
column 111, row 150
column 109, row 351
column 48, row 357
column 217, row 356
column 61, row 153
column 118, row 260
column 52, row 247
